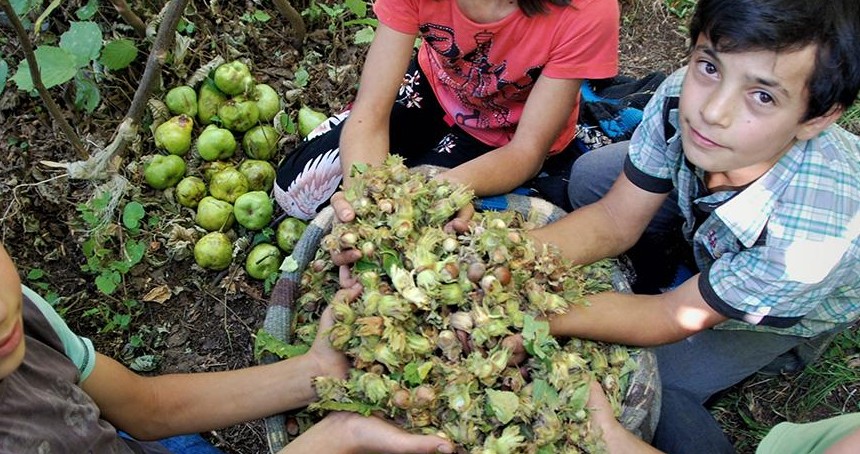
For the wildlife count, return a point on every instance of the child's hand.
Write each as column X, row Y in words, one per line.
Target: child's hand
column 342, row 208
column 330, row 361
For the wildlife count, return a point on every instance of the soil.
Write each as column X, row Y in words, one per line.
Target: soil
column 205, row 321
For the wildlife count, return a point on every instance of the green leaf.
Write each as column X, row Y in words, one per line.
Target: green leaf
column 118, row 54
column 301, row 77
column 504, row 404
column 579, row 397
column 35, row 274
column 354, row 407
column 357, row 7
column 87, row 94
column 107, row 281
column 287, row 123
column 84, row 41
column 56, row 66
column 135, row 250
column 415, row 374
column 265, row 342
column 543, row 394
column 535, row 336
column 364, row 36
column 262, row 16
column 289, row 264
column 132, row 213
column 145, row 363
column 4, row 73
column 22, row 7
column 87, row 11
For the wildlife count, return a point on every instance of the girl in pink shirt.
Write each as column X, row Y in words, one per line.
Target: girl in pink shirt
column 492, row 93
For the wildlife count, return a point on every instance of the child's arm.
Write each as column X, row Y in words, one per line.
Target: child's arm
column 545, row 113
column 156, row 407
column 365, row 134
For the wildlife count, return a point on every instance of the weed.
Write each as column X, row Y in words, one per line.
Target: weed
column 680, row 8
column 35, row 280
column 850, row 120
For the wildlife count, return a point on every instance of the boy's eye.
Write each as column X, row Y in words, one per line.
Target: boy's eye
column 763, row 97
column 707, row 67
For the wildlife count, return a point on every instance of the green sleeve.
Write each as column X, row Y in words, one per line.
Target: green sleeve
column 77, row 348
column 809, row 438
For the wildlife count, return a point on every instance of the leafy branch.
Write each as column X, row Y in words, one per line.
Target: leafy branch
column 53, row 109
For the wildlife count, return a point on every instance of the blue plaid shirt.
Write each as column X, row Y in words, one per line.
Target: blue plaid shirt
column 780, row 255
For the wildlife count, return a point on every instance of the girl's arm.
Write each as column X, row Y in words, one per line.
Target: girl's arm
column 365, row 134
column 545, row 114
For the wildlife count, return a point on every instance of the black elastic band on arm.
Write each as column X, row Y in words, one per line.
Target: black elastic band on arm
column 645, row 181
column 723, row 308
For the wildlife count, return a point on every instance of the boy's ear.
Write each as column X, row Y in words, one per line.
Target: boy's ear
column 812, row 127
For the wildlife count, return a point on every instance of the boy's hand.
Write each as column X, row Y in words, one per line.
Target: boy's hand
column 462, row 220
column 342, row 208
column 361, row 434
column 330, row 361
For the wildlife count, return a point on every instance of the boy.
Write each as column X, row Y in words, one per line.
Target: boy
column 58, row 395
column 767, row 190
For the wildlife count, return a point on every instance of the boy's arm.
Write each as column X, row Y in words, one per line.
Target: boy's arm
column 545, row 113
column 365, row 136
column 605, row 228
column 640, row 320
column 155, row 407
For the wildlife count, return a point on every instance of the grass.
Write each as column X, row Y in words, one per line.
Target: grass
column 850, row 120
column 828, row 387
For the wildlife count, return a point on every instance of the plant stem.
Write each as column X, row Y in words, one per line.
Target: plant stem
column 125, row 11
column 53, row 109
column 295, row 20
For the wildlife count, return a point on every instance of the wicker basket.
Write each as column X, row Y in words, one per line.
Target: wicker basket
column 641, row 405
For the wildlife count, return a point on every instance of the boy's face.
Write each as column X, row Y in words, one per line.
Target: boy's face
column 11, row 317
column 740, row 112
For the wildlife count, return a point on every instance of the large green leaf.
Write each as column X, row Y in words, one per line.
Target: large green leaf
column 84, row 41
column 118, row 54
column 4, row 72
column 56, row 66
column 87, row 11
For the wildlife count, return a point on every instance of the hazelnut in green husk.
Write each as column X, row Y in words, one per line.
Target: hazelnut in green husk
column 174, row 135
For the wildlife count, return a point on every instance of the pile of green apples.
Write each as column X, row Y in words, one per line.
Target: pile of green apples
column 231, row 115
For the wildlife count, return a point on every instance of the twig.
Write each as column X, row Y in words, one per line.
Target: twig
column 136, row 23
column 53, row 109
column 295, row 20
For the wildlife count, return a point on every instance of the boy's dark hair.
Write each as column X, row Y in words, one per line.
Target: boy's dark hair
column 788, row 25
column 534, row 7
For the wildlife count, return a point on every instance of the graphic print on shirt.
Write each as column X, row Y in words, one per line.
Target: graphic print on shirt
column 313, row 186
column 476, row 80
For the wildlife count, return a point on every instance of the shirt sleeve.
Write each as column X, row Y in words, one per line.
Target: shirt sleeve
column 78, row 349
column 763, row 285
column 588, row 47
column 651, row 159
column 399, row 15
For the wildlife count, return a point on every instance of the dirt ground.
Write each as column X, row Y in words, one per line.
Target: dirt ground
column 209, row 319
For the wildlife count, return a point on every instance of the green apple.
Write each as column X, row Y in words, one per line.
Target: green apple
column 214, row 251
column 234, row 78
column 182, row 100
column 162, row 172
column 260, row 174
column 211, row 168
column 209, row 99
column 260, row 142
column 290, row 230
column 216, row 143
column 214, row 214
column 268, row 101
column 309, row 119
column 239, row 114
column 263, row 261
column 174, row 135
column 253, row 210
column 228, row 185
column 189, row 191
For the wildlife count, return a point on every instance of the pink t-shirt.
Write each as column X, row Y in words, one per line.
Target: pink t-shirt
column 483, row 73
